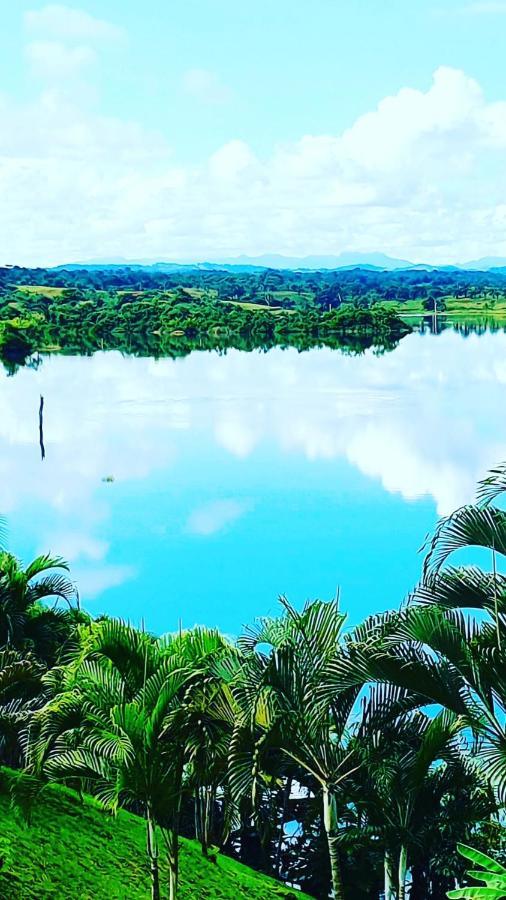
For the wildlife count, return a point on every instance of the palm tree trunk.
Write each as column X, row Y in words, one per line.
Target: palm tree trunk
column 403, row 869
column 196, row 814
column 153, row 857
column 172, row 842
column 206, row 804
column 287, row 790
column 330, row 822
column 389, row 876
column 202, row 791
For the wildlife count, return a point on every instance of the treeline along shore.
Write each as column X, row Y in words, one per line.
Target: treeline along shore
column 171, row 311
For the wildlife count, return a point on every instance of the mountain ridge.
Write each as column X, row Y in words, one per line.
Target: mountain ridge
column 369, row 261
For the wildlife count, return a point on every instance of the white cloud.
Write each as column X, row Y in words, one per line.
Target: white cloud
column 52, row 59
column 92, row 582
column 422, row 176
column 215, row 516
column 238, row 435
column 74, row 545
column 68, row 24
column 232, row 161
column 205, row 86
column 485, row 8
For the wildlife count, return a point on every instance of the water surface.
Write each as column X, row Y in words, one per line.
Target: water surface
column 231, row 479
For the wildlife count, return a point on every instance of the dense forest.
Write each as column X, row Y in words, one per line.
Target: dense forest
column 356, row 760
column 170, row 311
column 84, row 311
column 287, row 288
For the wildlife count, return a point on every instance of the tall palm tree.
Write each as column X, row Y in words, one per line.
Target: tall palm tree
column 433, row 648
column 122, row 721
column 410, row 762
column 275, row 690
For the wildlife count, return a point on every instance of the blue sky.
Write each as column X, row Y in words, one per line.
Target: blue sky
column 208, row 129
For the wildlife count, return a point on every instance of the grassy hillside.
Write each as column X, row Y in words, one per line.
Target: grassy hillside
column 72, row 849
column 455, row 308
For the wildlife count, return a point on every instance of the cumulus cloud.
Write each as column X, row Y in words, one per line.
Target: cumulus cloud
column 206, row 86
column 422, row 176
column 215, row 516
column 68, row 24
column 52, row 59
column 64, row 42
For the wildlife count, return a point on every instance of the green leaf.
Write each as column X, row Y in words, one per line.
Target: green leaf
column 481, row 859
column 480, row 893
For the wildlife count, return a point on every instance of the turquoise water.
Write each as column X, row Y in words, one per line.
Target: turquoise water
column 235, row 478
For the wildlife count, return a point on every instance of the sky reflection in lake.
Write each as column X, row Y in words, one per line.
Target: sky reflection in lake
column 240, row 477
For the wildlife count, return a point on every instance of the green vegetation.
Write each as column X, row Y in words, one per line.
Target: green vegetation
column 175, row 323
column 71, row 848
column 319, row 755
column 453, row 308
column 171, row 310
column 487, row 870
column 267, row 287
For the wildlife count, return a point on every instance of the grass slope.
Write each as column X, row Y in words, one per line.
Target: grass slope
column 72, row 849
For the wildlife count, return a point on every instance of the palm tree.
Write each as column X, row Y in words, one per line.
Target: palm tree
column 122, row 721
column 476, row 651
column 26, row 622
column 435, row 651
column 278, row 710
column 20, row 688
column 410, row 761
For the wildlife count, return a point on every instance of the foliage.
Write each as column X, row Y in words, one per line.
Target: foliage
column 487, row 870
column 26, row 622
column 322, row 755
column 172, row 323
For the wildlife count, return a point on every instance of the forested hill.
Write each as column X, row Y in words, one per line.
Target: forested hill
column 288, row 288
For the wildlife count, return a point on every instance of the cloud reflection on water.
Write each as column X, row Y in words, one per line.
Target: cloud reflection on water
column 424, row 420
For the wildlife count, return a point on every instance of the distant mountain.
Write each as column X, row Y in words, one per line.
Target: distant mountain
column 250, row 263
column 485, row 263
column 341, row 261
column 372, row 261
column 119, row 263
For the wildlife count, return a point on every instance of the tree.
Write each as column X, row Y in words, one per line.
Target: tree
column 20, row 686
column 276, row 693
column 26, row 622
column 413, row 763
column 123, row 721
column 434, row 649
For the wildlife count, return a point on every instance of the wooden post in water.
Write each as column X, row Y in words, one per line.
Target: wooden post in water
column 41, row 428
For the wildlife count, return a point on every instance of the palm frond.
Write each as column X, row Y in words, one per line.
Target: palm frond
column 43, row 563
column 466, row 587
column 469, row 526
column 492, row 486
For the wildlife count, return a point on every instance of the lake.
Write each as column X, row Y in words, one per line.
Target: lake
column 198, row 490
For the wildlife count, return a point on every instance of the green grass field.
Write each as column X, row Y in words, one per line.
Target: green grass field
column 43, row 289
column 455, row 308
column 72, row 849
